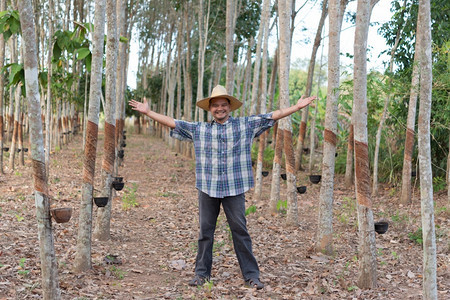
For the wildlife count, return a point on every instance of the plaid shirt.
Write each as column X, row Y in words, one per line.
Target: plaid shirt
column 223, row 152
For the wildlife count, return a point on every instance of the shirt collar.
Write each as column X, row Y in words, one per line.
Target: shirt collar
column 226, row 122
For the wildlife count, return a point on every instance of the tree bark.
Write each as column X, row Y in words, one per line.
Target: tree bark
column 103, row 220
column 257, row 62
column 325, row 218
column 2, row 89
column 49, row 269
column 48, row 113
column 367, row 275
column 82, row 260
column 405, row 197
column 385, row 108
column 309, row 81
column 229, row 44
column 285, row 11
column 263, row 100
column 429, row 290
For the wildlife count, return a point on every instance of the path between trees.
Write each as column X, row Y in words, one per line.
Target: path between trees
column 152, row 251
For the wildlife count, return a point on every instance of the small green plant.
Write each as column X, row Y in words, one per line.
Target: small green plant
column 352, row 288
column 400, row 218
column 56, row 180
column 439, row 184
column 282, row 206
column 22, row 270
column 416, row 236
column 394, row 254
column 251, row 209
column 129, row 198
column 19, row 218
column 117, row 272
column 17, row 173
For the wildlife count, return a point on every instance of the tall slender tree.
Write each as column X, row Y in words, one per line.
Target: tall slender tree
column 325, row 219
column 2, row 89
column 83, row 250
column 263, row 100
column 309, row 83
column 429, row 289
column 285, row 11
column 103, row 221
column 367, row 249
column 49, row 270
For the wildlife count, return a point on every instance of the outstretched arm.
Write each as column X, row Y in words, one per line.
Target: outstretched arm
column 143, row 108
column 284, row 112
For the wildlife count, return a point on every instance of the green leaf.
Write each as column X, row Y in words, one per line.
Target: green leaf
column 123, row 39
column 15, row 15
column 89, row 62
column 83, row 53
column 15, row 26
column 3, row 13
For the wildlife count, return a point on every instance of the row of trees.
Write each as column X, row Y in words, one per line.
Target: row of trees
column 245, row 77
column 184, row 45
column 56, row 66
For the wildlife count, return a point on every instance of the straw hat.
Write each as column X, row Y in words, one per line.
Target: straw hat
column 219, row 92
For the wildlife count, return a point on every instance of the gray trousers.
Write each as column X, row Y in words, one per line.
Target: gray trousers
column 234, row 208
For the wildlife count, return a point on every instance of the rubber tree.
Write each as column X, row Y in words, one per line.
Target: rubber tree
column 257, row 66
column 2, row 89
column 103, row 220
column 263, row 98
column 405, row 197
column 309, row 83
column 429, row 287
column 324, row 241
column 203, row 21
column 49, row 269
column 48, row 113
column 229, row 32
column 386, row 104
column 285, row 124
column 367, row 274
column 83, row 249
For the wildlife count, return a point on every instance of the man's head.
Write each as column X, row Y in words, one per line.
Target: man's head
column 219, row 92
column 220, row 109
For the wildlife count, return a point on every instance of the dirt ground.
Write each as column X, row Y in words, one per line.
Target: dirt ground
column 154, row 237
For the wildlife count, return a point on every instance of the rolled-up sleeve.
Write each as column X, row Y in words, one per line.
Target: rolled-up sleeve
column 183, row 131
column 261, row 123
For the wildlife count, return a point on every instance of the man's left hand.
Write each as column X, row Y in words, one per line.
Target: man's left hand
column 302, row 102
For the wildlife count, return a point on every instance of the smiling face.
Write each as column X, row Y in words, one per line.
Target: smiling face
column 220, row 109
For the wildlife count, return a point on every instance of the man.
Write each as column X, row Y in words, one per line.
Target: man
column 223, row 173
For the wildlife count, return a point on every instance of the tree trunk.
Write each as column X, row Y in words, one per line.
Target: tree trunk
column 276, row 170
column 309, row 81
column 386, row 104
column 405, row 197
column 429, row 290
column 48, row 113
column 230, row 22
column 49, row 269
column 103, row 221
column 263, row 100
column 325, row 219
column 257, row 61
column 285, row 11
column 2, row 89
column 248, row 70
column 349, row 163
column 367, row 249
column 13, row 147
column 203, row 40
column 82, row 260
